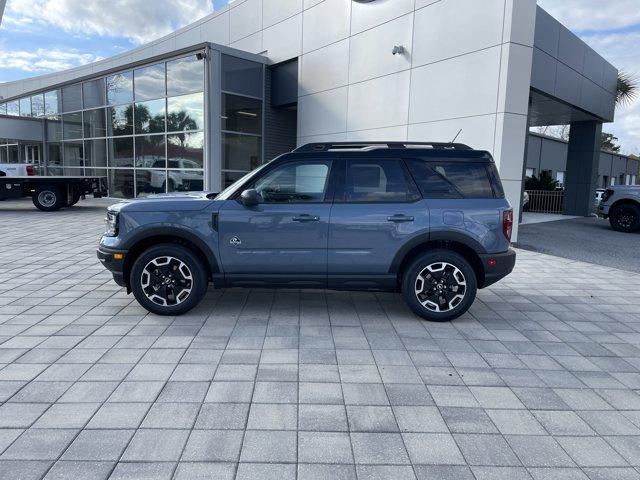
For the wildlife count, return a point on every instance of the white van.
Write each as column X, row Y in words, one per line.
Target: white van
column 16, row 169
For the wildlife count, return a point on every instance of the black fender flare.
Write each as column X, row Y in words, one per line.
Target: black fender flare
column 177, row 232
column 435, row 236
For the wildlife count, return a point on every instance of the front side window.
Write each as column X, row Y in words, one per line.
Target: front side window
column 371, row 181
column 295, row 183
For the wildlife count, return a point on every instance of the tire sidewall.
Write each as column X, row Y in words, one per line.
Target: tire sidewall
column 613, row 219
column 200, row 281
column 409, row 278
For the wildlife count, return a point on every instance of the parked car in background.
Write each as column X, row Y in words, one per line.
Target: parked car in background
column 621, row 205
column 428, row 220
column 17, row 169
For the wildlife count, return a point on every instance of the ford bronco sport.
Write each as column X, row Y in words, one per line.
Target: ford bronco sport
column 428, row 220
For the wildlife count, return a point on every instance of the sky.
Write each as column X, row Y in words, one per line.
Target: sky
column 42, row 36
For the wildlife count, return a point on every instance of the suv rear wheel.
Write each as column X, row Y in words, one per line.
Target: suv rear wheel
column 168, row 279
column 625, row 218
column 439, row 285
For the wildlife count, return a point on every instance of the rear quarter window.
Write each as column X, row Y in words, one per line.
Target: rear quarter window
column 455, row 179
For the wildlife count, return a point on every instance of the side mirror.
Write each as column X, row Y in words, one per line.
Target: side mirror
column 250, row 198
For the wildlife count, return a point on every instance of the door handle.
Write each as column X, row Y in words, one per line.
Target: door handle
column 306, row 218
column 400, row 218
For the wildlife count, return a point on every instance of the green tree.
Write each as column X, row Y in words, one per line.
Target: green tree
column 610, row 142
column 627, row 89
column 180, row 121
column 543, row 182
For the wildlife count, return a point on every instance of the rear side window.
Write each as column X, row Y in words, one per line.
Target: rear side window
column 381, row 181
column 457, row 179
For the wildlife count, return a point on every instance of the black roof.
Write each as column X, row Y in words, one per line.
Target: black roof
column 395, row 148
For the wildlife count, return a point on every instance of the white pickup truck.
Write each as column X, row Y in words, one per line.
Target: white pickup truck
column 621, row 205
column 17, row 169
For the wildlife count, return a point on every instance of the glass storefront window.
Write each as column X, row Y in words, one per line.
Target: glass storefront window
column 95, row 123
column 13, row 154
column 55, row 156
column 185, row 180
column 13, row 108
column 185, row 75
column 96, row 172
column 3, row 108
column 185, row 112
column 242, row 76
column 150, row 116
column 121, row 183
column 228, row 178
column 25, row 107
column 51, row 102
column 72, row 125
column 37, row 105
column 120, row 120
column 240, row 152
column 96, row 153
column 185, row 150
column 72, row 98
column 150, row 151
column 93, row 93
column 120, row 152
column 74, row 155
column 150, row 181
column 119, row 88
column 54, row 128
column 150, row 82
column 241, row 114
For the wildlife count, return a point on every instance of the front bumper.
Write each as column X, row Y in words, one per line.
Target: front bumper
column 497, row 266
column 113, row 264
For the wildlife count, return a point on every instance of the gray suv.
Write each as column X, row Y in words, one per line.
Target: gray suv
column 429, row 220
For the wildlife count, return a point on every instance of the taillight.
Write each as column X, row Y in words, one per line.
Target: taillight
column 606, row 195
column 507, row 223
column 30, row 170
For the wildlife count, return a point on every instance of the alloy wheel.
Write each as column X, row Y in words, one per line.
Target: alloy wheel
column 440, row 287
column 626, row 218
column 167, row 281
column 47, row 198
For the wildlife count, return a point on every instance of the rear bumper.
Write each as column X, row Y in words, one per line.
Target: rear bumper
column 603, row 211
column 115, row 266
column 504, row 263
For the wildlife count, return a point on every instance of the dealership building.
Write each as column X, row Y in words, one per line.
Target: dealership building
column 198, row 108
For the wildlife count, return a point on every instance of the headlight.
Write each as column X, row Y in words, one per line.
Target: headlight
column 111, row 224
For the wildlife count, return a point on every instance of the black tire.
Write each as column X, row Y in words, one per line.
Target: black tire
column 48, row 198
column 143, row 287
column 453, row 265
column 625, row 218
column 76, row 199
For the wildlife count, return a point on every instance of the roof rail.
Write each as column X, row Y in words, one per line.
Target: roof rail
column 364, row 146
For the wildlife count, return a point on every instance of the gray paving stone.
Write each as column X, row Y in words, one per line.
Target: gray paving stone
column 98, row 445
column 364, row 394
column 273, row 417
column 320, row 393
column 213, row 446
column 221, row 392
column 443, row 472
column 72, row 470
column 269, row 446
column 379, row 449
column 371, row 419
column 222, row 416
column 322, row 418
column 326, row 472
column 490, row 450
column 385, row 472
column 467, row 420
column 205, row 470
column 516, row 422
column 171, row 415
column 275, row 392
column 249, row 471
column 39, row 444
column 119, row 415
column 183, row 392
column 156, row 445
column 408, row 394
column 67, row 415
column 563, row 423
column 20, row 415
column 432, row 449
column 143, row 471
column 324, row 447
column 23, row 470
column 419, row 419
column 591, row 452
column 539, row 451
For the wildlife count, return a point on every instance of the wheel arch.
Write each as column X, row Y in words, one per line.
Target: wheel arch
column 149, row 238
column 467, row 247
column 624, row 201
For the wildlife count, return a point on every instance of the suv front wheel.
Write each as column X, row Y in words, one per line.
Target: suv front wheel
column 439, row 285
column 168, row 279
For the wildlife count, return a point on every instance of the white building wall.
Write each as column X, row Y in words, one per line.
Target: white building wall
column 466, row 66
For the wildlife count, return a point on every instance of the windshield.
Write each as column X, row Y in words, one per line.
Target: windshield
column 231, row 189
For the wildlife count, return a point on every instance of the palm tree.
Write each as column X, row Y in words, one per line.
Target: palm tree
column 627, row 89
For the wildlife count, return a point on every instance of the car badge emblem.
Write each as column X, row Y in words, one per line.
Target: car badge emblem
column 235, row 241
